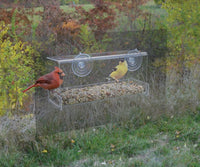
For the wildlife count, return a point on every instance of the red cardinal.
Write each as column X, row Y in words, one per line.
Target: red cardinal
column 49, row 81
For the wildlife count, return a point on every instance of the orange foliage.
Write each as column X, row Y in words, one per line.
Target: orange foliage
column 72, row 27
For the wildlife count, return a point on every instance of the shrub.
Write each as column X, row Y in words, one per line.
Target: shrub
column 184, row 32
column 88, row 42
column 16, row 69
column 159, row 2
column 101, row 18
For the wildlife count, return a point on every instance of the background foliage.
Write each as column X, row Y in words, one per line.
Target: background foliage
column 184, row 32
column 16, row 65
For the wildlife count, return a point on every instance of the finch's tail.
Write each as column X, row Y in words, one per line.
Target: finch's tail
column 28, row 88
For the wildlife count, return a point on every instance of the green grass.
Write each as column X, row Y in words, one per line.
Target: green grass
column 167, row 142
column 68, row 8
column 154, row 9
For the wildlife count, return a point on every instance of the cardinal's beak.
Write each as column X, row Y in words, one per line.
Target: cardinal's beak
column 63, row 74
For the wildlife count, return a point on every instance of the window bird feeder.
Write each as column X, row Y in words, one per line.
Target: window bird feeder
column 88, row 96
column 83, row 65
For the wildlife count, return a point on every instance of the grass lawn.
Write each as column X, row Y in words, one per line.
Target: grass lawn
column 68, row 8
column 170, row 142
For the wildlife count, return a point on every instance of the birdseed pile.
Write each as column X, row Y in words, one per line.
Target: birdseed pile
column 99, row 92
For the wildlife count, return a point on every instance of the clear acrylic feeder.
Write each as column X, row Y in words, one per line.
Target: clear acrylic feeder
column 88, row 96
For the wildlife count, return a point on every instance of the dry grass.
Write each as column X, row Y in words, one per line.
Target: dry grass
column 15, row 131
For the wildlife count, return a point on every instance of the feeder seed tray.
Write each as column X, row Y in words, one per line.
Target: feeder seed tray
column 99, row 92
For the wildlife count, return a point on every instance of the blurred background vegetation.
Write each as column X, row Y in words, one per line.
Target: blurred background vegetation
column 69, row 27
column 32, row 30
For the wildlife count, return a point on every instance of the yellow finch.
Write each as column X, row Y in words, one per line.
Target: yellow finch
column 120, row 70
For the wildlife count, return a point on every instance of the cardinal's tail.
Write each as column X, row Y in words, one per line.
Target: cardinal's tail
column 28, row 88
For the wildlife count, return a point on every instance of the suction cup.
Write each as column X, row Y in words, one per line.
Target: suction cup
column 82, row 67
column 134, row 63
